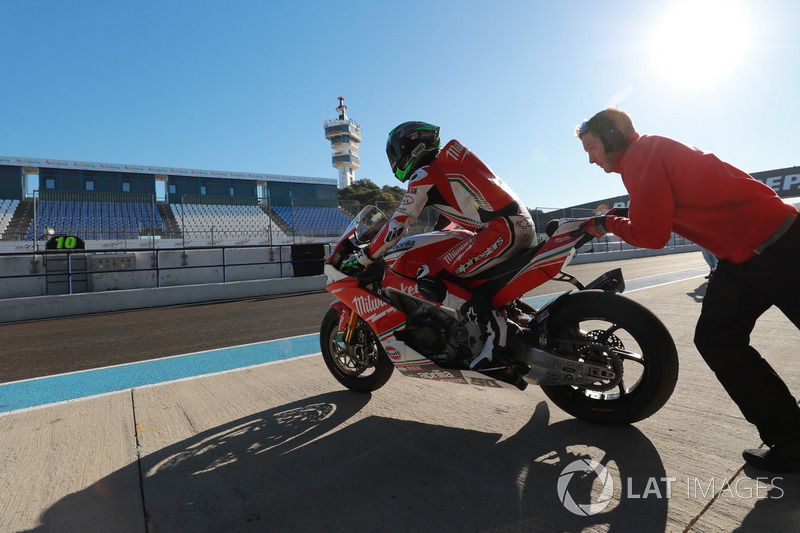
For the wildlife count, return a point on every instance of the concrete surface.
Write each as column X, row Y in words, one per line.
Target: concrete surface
column 282, row 447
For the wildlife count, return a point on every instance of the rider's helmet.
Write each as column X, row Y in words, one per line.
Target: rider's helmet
column 412, row 145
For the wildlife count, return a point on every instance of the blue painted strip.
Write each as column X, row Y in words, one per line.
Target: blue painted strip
column 52, row 389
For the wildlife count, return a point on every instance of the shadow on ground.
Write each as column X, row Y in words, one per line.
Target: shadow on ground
column 699, row 293
column 306, row 466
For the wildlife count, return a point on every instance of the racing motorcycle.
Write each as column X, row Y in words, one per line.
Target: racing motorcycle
column 596, row 354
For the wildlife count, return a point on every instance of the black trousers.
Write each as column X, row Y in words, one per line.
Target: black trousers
column 737, row 294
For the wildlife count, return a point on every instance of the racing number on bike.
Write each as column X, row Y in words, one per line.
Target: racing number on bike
column 480, row 382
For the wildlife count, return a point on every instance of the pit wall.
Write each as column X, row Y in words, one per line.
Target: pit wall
column 99, row 271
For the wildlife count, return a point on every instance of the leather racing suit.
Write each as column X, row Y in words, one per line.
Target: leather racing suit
column 463, row 189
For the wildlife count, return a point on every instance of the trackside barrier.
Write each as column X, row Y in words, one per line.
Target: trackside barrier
column 308, row 259
column 50, row 272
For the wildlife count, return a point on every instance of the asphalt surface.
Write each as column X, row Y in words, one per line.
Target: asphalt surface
column 56, row 346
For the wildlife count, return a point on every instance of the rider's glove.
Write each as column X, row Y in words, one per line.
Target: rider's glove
column 355, row 263
column 595, row 226
column 618, row 212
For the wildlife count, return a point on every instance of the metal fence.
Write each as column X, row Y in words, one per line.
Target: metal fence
column 49, row 272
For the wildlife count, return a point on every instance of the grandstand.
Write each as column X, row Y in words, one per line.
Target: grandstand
column 93, row 218
column 112, row 202
column 314, row 221
column 203, row 221
column 7, row 210
column 118, row 202
column 104, row 219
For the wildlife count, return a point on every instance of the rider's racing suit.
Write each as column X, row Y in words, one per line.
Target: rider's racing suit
column 463, row 189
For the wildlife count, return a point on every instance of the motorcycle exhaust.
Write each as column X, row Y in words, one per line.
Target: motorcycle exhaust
column 547, row 368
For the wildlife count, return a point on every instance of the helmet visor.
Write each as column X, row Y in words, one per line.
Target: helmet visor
column 394, row 153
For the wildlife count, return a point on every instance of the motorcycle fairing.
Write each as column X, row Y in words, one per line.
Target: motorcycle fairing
column 383, row 319
column 531, row 268
column 421, row 251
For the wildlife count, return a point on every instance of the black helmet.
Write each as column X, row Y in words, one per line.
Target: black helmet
column 410, row 145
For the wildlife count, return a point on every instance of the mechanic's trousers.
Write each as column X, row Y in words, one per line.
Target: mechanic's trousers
column 737, row 294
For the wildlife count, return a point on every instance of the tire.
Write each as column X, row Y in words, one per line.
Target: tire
column 648, row 362
column 368, row 370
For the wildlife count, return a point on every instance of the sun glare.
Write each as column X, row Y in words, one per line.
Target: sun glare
column 700, row 42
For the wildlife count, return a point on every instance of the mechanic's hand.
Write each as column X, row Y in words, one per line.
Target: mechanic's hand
column 595, row 226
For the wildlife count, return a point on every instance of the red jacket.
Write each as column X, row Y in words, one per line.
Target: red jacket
column 678, row 188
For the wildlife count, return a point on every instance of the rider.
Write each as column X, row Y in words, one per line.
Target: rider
column 457, row 184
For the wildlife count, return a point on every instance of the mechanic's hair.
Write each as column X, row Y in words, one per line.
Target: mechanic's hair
column 613, row 126
column 621, row 119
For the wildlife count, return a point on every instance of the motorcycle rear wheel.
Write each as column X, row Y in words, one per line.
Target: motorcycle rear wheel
column 590, row 323
column 365, row 367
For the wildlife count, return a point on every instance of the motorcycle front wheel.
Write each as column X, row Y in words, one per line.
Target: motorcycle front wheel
column 607, row 328
column 362, row 366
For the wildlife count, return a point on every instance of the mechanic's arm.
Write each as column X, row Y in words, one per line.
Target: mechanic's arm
column 650, row 216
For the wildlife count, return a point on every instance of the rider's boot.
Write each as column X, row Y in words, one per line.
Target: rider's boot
column 495, row 342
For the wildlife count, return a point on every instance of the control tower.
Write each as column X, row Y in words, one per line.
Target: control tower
column 344, row 134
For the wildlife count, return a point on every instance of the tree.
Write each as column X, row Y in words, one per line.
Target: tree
column 365, row 192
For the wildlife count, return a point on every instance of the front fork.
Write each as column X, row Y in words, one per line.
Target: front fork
column 348, row 320
column 350, row 327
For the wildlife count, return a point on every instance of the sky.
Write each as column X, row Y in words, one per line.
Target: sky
column 246, row 85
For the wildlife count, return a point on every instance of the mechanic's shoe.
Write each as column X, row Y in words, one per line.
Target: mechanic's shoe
column 778, row 458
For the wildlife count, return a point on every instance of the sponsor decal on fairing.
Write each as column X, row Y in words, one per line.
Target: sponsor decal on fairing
column 486, row 253
column 458, row 251
column 366, row 305
column 402, row 246
column 393, row 353
column 455, row 151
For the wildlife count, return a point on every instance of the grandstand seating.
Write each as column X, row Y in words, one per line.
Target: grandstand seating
column 96, row 220
column 100, row 220
column 313, row 221
column 7, row 208
column 201, row 220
